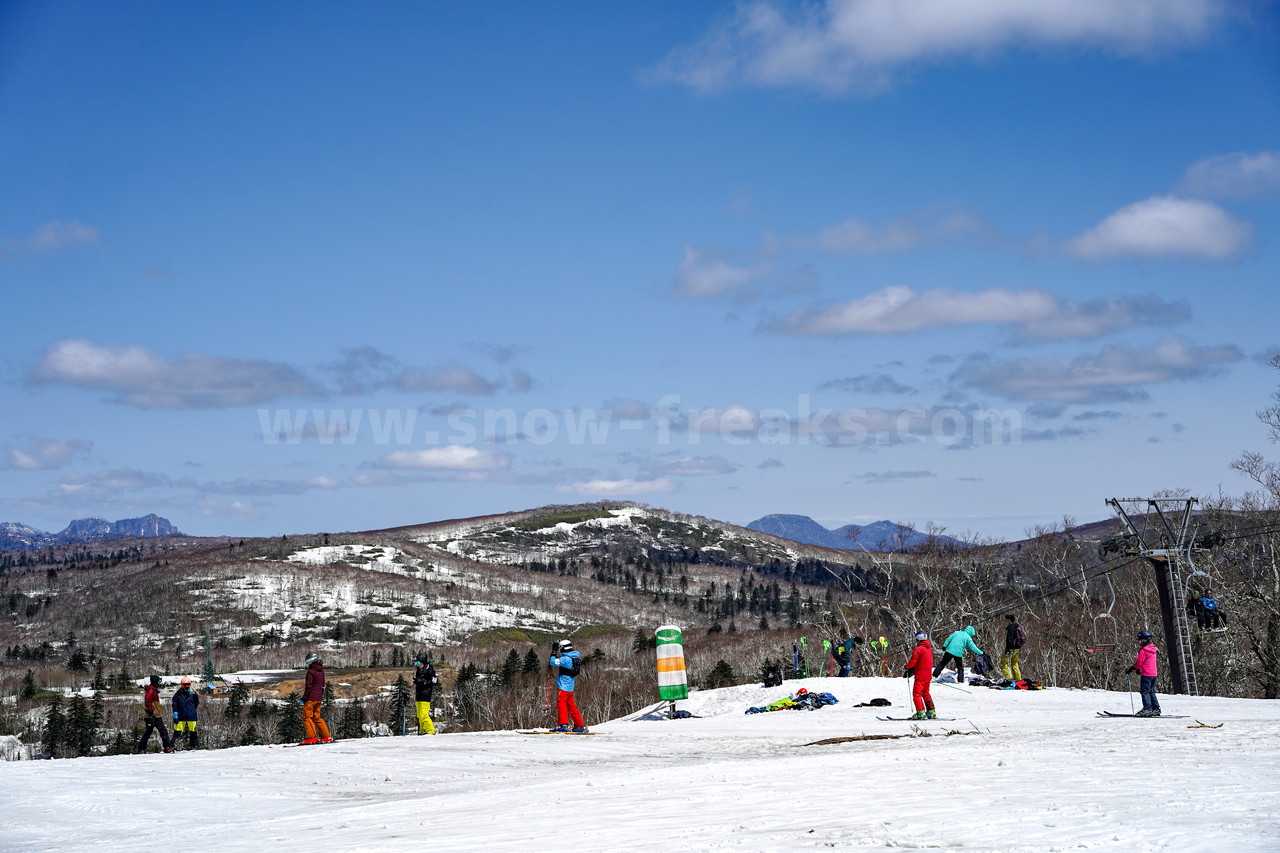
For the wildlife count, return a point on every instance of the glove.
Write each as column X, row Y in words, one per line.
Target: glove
column 175, row 716
column 906, row 673
column 1132, row 669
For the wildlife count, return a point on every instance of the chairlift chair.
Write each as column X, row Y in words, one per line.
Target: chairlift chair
column 1106, row 633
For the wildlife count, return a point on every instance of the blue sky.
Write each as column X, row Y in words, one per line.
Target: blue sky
column 319, row 267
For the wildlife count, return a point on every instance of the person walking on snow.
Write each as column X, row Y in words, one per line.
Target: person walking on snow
column 151, row 716
column 920, row 665
column 1145, row 667
column 424, row 682
column 566, row 663
column 954, row 649
column 1014, row 639
column 312, row 696
column 185, row 703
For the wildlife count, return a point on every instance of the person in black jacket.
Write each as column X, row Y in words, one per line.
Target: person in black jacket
column 424, row 682
column 185, row 703
column 1014, row 639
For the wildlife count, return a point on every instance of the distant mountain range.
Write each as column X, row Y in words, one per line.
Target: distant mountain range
column 877, row 536
column 22, row 537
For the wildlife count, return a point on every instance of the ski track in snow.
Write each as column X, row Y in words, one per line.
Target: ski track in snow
column 1043, row 775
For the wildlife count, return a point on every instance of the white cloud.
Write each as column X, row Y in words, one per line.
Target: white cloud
column 843, row 46
column 143, row 378
column 691, row 466
column 620, row 488
column 877, row 477
column 51, row 237
column 1032, row 313
column 704, row 274
column 462, row 380
column 1166, row 226
column 1114, row 374
column 854, row 236
column 45, row 454
column 1238, row 175
column 731, row 419
column 452, row 457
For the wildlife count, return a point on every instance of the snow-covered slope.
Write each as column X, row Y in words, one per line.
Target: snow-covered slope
column 1025, row 771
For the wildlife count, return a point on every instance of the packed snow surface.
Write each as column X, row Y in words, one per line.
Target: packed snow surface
column 1039, row 773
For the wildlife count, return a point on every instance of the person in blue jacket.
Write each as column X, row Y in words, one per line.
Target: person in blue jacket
column 953, row 650
column 565, row 663
column 185, row 703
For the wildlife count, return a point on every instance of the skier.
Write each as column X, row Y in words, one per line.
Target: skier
column 954, row 649
column 1210, row 613
column 1014, row 639
column 566, row 663
column 312, row 696
column 920, row 665
column 840, row 652
column 1145, row 667
column 151, row 716
column 185, row 703
column 424, row 682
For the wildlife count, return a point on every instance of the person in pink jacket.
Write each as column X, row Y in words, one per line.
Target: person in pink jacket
column 1145, row 667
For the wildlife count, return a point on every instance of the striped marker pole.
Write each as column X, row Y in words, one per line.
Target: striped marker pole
column 673, row 683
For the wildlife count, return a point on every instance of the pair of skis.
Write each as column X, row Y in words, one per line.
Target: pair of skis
column 1108, row 715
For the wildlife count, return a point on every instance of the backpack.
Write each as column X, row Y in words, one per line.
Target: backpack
column 1021, row 637
column 1209, row 603
column 572, row 670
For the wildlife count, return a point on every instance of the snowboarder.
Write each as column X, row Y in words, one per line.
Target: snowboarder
column 312, row 696
column 954, row 649
column 1014, row 639
column 566, row 662
column 151, row 716
column 1145, row 667
column 185, row 703
column 1210, row 612
column 920, row 665
column 424, row 682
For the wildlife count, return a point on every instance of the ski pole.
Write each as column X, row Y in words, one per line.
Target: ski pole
column 1129, row 681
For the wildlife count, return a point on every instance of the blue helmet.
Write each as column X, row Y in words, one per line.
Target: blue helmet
column 921, row 635
column 1144, row 635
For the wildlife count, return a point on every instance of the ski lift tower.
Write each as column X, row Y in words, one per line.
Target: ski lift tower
column 1160, row 531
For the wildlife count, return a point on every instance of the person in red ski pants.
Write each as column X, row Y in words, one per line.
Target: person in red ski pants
column 920, row 665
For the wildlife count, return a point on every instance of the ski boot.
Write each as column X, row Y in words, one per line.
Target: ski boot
column 931, row 715
column 1143, row 713
column 918, row 715
column 1155, row 712
column 308, row 741
column 579, row 730
column 326, row 740
column 563, row 728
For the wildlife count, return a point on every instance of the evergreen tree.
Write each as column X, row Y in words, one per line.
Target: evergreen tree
column 28, row 690
column 352, row 719
column 80, row 732
column 236, row 698
column 400, row 705
column 510, row 667
column 291, row 728
column 250, row 736
column 99, row 680
column 327, row 699
column 55, row 727
column 596, row 655
column 78, row 661
column 532, row 662
column 209, row 674
column 722, row 675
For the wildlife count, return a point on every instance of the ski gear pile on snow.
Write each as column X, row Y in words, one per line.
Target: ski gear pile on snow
column 801, row 700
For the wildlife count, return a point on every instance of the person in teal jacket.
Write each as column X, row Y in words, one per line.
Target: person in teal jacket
column 953, row 650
